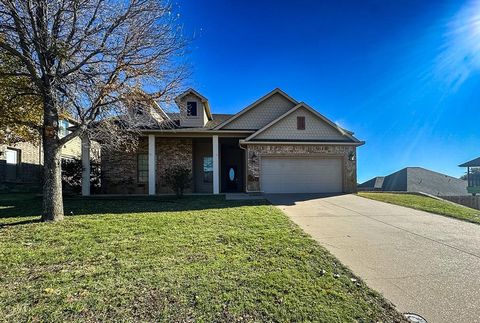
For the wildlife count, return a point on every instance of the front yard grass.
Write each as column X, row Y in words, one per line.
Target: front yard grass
column 428, row 204
column 159, row 259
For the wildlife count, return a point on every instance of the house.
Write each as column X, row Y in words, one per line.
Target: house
column 417, row 179
column 274, row 145
column 21, row 164
column 473, row 175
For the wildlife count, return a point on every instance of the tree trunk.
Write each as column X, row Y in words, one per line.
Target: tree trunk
column 52, row 182
column 52, row 168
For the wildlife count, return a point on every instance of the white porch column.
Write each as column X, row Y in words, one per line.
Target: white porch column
column 151, row 165
column 85, row 166
column 216, row 166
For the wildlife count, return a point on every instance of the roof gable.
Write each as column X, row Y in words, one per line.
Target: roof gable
column 260, row 112
column 203, row 99
column 317, row 128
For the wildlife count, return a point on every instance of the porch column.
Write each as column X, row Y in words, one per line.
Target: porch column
column 468, row 176
column 85, row 152
column 151, row 165
column 216, row 166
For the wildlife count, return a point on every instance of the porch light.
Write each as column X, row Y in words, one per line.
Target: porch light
column 351, row 156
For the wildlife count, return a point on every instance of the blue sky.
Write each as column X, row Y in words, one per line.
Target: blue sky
column 403, row 75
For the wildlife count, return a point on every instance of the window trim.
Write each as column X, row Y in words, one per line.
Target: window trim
column 189, row 114
column 142, row 179
column 301, row 122
column 205, row 172
column 18, row 153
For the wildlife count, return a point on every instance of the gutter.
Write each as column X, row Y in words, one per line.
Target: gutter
column 199, row 131
column 360, row 143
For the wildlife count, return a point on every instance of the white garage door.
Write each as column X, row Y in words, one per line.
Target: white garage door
column 301, row 175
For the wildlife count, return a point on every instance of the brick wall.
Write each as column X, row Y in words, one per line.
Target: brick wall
column 119, row 169
column 27, row 174
column 172, row 151
column 255, row 153
column 29, row 153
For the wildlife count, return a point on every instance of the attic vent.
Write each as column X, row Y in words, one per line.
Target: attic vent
column 300, row 123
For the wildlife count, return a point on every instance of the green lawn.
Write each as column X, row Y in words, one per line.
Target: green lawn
column 426, row 204
column 195, row 259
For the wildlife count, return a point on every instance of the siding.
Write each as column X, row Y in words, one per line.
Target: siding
column 315, row 129
column 29, row 153
column 189, row 121
column 33, row 154
column 262, row 114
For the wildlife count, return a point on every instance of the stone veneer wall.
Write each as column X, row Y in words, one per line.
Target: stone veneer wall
column 255, row 153
column 119, row 169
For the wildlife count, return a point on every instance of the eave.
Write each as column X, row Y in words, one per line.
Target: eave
column 325, row 143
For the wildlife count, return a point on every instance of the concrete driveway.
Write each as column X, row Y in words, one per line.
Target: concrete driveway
column 424, row 263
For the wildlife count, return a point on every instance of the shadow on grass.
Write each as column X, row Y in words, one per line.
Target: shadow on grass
column 23, row 206
column 11, row 224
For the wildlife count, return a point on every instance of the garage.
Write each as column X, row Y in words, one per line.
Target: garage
column 301, row 175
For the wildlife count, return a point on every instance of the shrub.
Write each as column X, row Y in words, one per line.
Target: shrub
column 178, row 178
column 72, row 175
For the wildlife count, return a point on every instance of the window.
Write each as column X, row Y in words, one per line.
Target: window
column 300, row 123
column 192, row 109
column 63, row 128
column 142, row 168
column 13, row 156
column 208, row 169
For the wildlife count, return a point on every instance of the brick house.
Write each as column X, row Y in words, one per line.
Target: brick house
column 274, row 145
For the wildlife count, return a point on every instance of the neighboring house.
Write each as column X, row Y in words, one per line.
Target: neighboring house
column 473, row 175
column 417, row 179
column 274, row 145
column 21, row 163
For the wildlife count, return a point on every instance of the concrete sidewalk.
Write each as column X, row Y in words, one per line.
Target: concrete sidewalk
column 424, row 263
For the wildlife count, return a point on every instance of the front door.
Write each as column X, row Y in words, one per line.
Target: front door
column 232, row 166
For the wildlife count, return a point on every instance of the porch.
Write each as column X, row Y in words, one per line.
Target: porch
column 216, row 164
column 473, row 175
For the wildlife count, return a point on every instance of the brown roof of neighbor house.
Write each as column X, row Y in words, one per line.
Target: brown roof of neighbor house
column 473, row 163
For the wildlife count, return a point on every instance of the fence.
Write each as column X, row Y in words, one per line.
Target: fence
column 466, row 200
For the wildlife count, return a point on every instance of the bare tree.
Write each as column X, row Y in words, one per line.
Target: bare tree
column 92, row 60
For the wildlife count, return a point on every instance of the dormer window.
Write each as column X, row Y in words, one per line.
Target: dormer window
column 191, row 109
column 63, row 128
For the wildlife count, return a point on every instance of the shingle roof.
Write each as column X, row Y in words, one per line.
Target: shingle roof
column 473, row 163
column 418, row 179
column 216, row 120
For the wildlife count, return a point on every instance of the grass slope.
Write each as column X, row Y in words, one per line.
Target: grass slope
column 428, row 204
column 195, row 259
